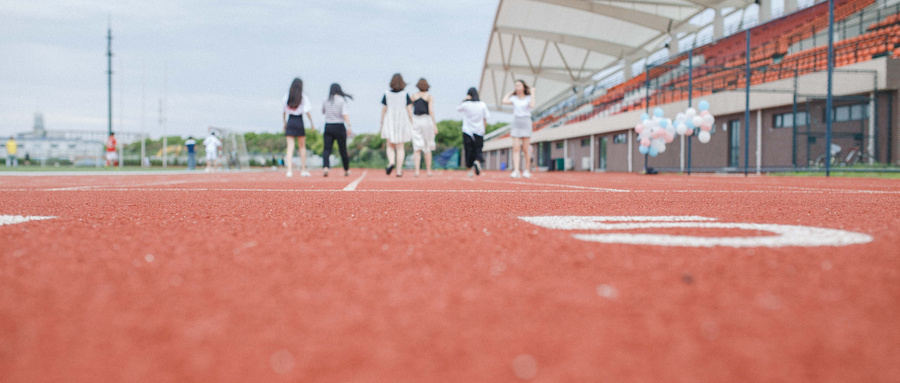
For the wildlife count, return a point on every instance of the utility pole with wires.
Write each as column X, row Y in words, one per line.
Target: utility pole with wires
column 162, row 118
column 109, row 73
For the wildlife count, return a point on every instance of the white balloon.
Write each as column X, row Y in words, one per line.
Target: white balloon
column 649, row 123
column 661, row 148
column 708, row 120
column 697, row 120
column 690, row 113
column 680, row 117
column 681, row 129
column 704, row 137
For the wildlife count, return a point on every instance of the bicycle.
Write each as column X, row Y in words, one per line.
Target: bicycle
column 854, row 157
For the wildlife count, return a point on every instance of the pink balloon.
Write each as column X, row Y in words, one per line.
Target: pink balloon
column 669, row 137
column 689, row 132
column 704, row 113
column 645, row 142
column 705, row 128
column 639, row 128
column 659, row 133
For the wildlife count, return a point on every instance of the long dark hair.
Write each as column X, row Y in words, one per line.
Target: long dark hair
column 524, row 85
column 474, row 94
column 295, row 96
column 336, row 90
column 397, row 83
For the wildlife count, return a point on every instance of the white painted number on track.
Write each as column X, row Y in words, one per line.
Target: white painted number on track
column 14, row 219
column 786, row 235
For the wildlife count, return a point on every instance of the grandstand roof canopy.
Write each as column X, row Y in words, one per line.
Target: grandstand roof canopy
column 558, row 45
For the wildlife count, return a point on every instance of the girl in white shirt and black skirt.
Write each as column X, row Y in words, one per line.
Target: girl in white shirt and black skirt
column 295, row 105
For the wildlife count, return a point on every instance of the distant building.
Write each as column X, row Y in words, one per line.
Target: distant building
column 78, row 147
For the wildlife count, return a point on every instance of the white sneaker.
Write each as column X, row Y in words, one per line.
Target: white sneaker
column 305, row 174
column 515, row 174
column 526, row 174
column 290, row 174
column 471, row 173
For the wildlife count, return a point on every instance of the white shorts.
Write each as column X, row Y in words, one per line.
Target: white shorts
column 112, row 156
column 212, row 155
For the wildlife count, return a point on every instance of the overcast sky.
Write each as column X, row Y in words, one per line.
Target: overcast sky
column 229, row 63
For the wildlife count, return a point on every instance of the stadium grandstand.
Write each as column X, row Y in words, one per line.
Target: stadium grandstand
column 598, row 66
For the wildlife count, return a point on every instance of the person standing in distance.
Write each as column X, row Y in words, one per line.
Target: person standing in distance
column 424, row 126
column 12, row 148
column 191, row 144
column 522, row 101
column 111, row 156
column 295, row 105
column 212, row 144
column 396, row 123
column 475, row 114
column 337, row 127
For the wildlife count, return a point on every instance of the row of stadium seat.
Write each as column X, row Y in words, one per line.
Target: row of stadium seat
column 726, row 59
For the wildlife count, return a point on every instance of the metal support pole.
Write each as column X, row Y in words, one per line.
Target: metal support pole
column 109, row 73
column 747, row 111
column 829, row 99
column 690, row 138
column 647, row 107
column 794, row 123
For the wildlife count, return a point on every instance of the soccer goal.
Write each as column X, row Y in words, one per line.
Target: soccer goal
column 234, row 148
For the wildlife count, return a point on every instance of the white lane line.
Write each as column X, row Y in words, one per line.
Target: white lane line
column 822, row 191
column 13, row 219
column 103, row 187
column 562, row 186
column 119, row 188
column 355, row 182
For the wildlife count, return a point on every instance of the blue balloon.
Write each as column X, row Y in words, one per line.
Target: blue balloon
column 643, row 149
column 703, row 105
column 658, row 112
column 663, row 123
column 653, row 152
column 645, row 117
column 689, row 124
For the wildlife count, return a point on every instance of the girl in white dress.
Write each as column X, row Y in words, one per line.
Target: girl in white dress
column 424, row 126
column 396, row 123
column 522, row 101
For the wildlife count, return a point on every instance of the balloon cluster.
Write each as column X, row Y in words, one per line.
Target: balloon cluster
column 687, row 123
column 654, row 133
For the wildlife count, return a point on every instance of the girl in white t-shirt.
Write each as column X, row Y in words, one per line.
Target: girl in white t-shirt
column 522, row 101
column 475, row 115
column 296, row 104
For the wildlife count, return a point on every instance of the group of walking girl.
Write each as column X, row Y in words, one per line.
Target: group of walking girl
column 337, row 126
column 406, row 118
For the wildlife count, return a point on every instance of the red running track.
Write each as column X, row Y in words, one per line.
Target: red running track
column 253, row 277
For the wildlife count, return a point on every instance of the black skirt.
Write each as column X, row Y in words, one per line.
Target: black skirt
column 294, row 127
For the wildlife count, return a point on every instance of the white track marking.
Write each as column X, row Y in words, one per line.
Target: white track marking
column 562, row 186
column 587, row 190
column 14, row 219
column 352, row 186
column 786, row 235
column 810, row 191
column 596, row 223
